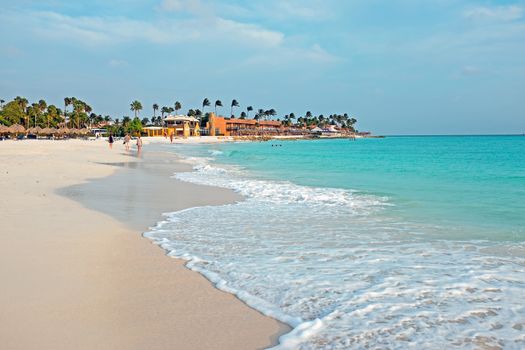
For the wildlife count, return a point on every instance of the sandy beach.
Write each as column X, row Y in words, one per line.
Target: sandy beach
column 76, row 272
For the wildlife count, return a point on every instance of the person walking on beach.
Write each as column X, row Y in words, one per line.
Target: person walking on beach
column 171, row 137
column 127, row 139
column 111, row 141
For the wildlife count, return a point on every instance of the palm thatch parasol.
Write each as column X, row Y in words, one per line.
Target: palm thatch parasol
column 4, row 129
column 46, row 131
column 16, row 129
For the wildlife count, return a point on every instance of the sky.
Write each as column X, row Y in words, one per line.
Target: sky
column 397, row 66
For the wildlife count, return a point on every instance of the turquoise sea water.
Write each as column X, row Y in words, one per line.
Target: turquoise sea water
column 475, row 184
column 402, row 242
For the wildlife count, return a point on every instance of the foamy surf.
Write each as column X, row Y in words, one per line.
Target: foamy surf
column 330, row 264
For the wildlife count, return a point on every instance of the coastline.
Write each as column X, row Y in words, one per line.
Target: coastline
column 77, row 274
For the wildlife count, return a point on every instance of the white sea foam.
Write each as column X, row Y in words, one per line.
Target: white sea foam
column 343, row 274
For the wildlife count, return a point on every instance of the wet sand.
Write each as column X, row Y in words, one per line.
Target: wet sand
column 75, row 271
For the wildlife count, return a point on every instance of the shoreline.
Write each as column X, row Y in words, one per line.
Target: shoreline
column 125, row 291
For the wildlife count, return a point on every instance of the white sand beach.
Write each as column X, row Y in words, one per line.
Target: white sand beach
column 76, row 272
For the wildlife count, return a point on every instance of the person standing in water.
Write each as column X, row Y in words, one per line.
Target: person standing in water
column 111, row 141
column 127, row 139
column 139, row 145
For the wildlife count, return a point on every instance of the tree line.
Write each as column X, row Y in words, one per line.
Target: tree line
column 342, row 120
column 78, row 114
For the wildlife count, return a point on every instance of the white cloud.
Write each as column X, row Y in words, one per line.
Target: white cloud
column 249, row 32
column 192, row 6
column 496, row 13
column 118, row 63
column 97, row 31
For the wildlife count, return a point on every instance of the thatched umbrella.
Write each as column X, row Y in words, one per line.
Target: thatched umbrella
column 84, row 131
column 16, row 129
column 37, row 130
column 3, row 129
column 46, row 131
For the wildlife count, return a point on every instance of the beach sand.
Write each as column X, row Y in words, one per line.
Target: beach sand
column 75, row 271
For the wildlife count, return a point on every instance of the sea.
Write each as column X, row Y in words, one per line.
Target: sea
column 407, row 242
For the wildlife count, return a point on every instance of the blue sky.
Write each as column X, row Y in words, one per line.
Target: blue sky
column 399, row 67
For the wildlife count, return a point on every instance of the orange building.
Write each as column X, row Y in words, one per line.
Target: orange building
column 220, row 126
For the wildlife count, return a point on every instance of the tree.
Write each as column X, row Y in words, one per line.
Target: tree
column 52, row 115
column 134, row 126
column 2, row 104
column 205, row 103
column 218, row 103
column 292, row 117
column 178, row 106
column 243, row 115
column 259, row 114
column 234, row 104
column 67, row 102
column 23, row 102
column 144, row 121
column 249, row 109
column 126, row 120
column 12, row 113
column 191, row 113
column 164, row 110
column 136, row 106
column 155, row 109
column 270, row 112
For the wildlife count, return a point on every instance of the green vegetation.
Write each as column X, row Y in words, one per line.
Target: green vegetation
column 136, row 107
column 78, row 114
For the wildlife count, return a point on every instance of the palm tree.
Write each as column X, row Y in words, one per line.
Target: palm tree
column 136, row 106
column 155, row 109
column 42, row 105
column 125, row 120
column 218, row 103
column 270, row 112
column 144, row 121
column 234, row 104
column 177, row 107
column 259, row 114
column 22, row 103
column 249, row 109
column 164, row 110
column 243, row 115
column 2, row 104
column 205, row 103
column 67, row 102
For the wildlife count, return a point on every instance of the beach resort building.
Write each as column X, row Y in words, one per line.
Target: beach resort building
column 176, row 125
column 220, row 126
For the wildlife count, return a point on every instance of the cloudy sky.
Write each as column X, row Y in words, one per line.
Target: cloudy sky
column 398, row 66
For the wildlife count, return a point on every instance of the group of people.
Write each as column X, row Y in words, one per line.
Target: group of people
column 127, row 140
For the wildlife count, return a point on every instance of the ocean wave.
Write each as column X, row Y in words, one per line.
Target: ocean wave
column 329, row 263
column 279, row 191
